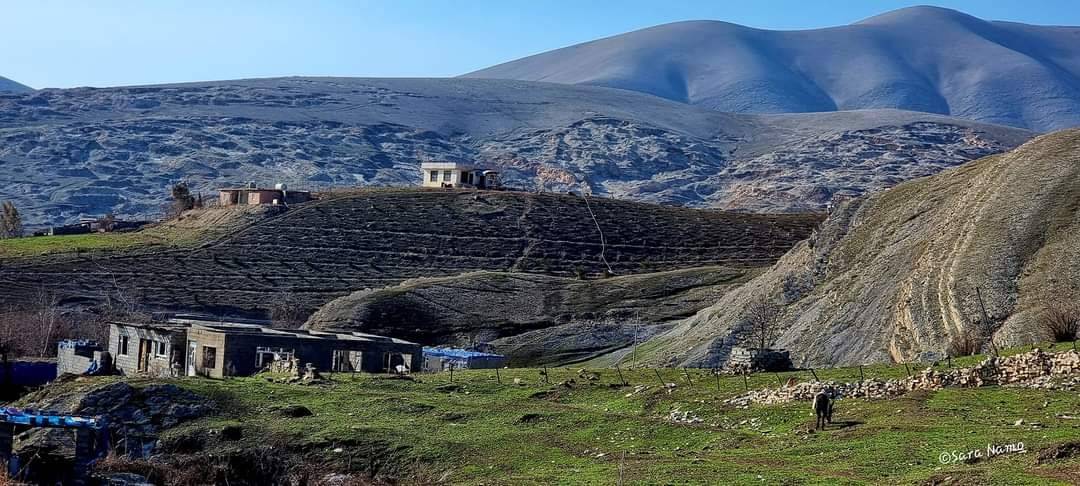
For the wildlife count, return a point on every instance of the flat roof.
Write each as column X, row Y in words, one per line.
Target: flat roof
column 257, row 189
column 447, row 165
column 253, row 327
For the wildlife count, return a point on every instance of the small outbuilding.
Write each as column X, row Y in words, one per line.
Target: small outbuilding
column 254, row 195
column 457, row 175
column 440, row 359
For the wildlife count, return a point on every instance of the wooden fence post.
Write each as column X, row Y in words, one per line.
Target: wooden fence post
column 812, row 372
column 621, row 379
column 498, row 378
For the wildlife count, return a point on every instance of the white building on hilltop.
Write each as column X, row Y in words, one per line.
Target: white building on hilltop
column 457, row 174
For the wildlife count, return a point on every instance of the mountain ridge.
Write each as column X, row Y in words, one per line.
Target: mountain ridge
column 921, row 58
column 12, row 86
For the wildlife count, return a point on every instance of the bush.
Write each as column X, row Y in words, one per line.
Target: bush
column 1061, row 321
column 966, row 343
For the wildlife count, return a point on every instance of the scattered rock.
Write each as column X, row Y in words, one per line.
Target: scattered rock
column 232, row 432
column 296, row 411
column 1061, row 451
column 529, row 418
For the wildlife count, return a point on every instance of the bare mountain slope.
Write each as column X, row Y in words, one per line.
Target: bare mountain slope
column 87, row 151
column 7, row 85
column 920, row 58
column 894, row 276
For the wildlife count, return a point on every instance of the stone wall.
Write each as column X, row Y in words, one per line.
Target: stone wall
column 1033, row 368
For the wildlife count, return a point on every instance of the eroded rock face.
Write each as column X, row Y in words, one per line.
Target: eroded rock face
column 897, row 276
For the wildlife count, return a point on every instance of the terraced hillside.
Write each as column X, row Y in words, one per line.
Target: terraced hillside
column 897, row 276
column 375, row 238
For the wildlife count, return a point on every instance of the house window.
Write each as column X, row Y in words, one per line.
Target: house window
column 347, row 360
column 123, row 345
column 161, row 348
column 209, row 357
column 434, row 176
column 447, row 175
column 265, row 355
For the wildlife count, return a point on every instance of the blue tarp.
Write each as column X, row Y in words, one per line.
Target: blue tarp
column 457, row 353
column 48, row 419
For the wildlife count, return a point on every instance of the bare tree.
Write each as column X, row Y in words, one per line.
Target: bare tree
column 1061, row 320
column 11, row 225
column 763, row 317
column 287, row 311
column 46, row 311
column 966, row 343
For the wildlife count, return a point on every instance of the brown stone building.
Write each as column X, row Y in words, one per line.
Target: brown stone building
column 194, row 347
column 254, row 195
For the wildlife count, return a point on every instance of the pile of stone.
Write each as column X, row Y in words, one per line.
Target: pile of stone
column 1037, row 368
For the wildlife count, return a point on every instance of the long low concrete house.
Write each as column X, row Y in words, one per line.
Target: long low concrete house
column 196, row 347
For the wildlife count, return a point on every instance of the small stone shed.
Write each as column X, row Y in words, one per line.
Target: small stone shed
column 81, row 356
column 254, row 195
column 757, row 359
column 197, row 347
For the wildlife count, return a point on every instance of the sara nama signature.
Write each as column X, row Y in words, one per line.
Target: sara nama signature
column 955, row 456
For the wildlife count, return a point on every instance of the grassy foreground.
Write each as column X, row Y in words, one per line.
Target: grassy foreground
column 478, row 431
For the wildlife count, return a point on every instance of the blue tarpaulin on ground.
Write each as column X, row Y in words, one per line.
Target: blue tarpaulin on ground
column 38, row 418
column 457, row 353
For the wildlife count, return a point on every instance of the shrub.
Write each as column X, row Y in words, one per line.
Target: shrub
column 966, row 343
column 1061, row 321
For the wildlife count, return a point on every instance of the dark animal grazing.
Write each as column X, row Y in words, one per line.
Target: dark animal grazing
column 823, row 408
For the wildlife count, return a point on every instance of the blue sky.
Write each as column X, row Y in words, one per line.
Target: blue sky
column 122, row 42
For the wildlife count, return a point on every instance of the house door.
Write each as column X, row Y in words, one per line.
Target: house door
column 144, row 354
column 192, row 346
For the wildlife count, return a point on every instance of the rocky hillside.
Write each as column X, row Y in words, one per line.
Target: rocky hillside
column 369, row 239
column 926, row 59
column 532, row 318
column 85, row 151
column 7, row 85
column 896, row 276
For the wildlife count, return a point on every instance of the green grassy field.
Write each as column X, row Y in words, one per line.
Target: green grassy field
column 478, row 431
